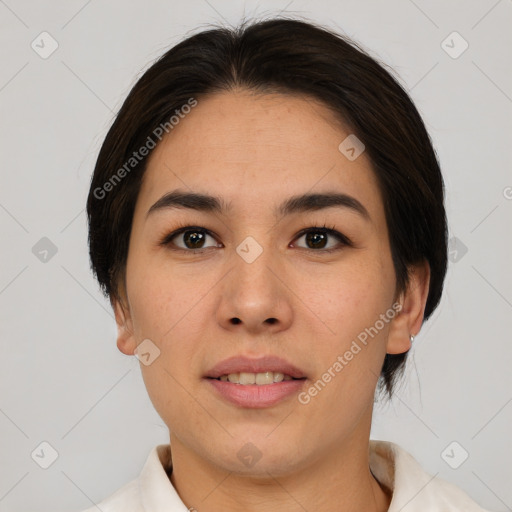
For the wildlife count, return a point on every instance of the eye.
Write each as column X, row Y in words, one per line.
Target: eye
column 193, row 239
column 316, row 238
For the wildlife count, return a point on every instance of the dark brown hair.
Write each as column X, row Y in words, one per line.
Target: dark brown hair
column 287, row 56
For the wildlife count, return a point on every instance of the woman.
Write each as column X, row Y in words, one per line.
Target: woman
column 266, row 216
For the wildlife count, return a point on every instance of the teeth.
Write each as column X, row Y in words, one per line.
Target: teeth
column 263, row 378
column 260, row 379
column 278, row 377
column 246, row 378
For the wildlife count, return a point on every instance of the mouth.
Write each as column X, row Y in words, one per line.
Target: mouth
column 258, row 379
column 255, row 390
column 261, row 371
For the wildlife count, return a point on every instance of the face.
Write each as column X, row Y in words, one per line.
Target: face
column 248, row 280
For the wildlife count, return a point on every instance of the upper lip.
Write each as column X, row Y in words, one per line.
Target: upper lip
column 239, row 364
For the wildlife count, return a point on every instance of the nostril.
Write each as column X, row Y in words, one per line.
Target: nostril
column 236, row 320
column 272, row 320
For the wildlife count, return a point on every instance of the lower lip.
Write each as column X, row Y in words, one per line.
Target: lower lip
column 255, row 396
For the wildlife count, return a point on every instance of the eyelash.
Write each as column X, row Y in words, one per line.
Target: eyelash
column 345, row 241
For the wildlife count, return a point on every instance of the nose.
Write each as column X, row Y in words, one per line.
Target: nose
column 254, row 296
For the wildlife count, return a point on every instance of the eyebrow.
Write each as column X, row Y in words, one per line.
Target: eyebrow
column 295, row 204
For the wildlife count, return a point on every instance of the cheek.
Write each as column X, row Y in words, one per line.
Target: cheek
column 352, row 345
column 348, row 308
column 168, row 306
column 350, row 298
column 163, row 298
column 165, row 306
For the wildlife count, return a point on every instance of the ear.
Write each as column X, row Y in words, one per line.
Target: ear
column 125, row 338
column 410, row 318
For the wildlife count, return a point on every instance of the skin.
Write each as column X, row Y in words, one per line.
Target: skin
column 255, row 151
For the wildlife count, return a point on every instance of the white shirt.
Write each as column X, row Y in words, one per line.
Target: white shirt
column 414, row 490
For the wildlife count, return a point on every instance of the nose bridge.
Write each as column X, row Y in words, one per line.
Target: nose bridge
column 253, row 261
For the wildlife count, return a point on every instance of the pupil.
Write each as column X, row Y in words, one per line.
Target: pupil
column 195, row 238
column 316, row 239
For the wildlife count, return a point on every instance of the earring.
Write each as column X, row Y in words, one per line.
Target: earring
column 411, row 337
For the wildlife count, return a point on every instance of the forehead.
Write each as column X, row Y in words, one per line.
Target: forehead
column 257, row 149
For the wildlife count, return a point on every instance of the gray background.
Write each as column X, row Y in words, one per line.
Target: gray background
column 62, row 378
